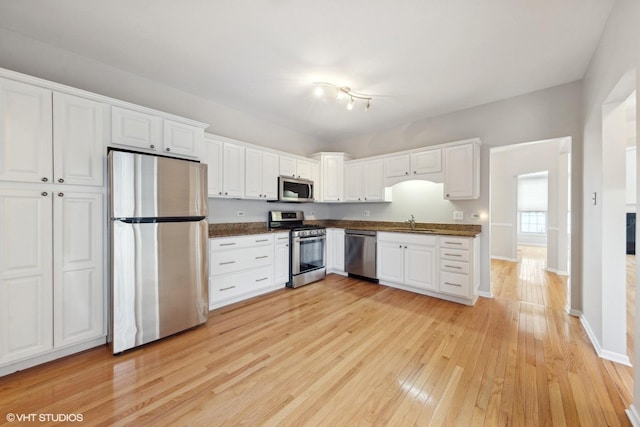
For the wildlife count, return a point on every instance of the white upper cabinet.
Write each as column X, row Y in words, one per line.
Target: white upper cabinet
column 261, row 174
column 397, row 166
column 136, row 129
column 50, row 137
column 331, row 188
column 225, row 168
column 413, row 164
column 462, row 171
column 155, row 134
column 288, row 166
column 304, row 169
column 78, row 136
column 353, row 182
column 429, row 161
column 233, row 170
column 364, row 181
column 213, row 159
column 25, row 133
column 182, row 139
column 296, row 168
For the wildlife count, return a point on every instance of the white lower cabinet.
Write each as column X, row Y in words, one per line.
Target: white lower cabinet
column 281, row 258
column 240, row 267
column 26, row 275
column 335, row 251
column 78, row 297
column 459, row 267
column 440, row 266
column 51, row 272
column 407, row 260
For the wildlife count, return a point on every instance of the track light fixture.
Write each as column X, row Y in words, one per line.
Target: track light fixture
column 343, row 92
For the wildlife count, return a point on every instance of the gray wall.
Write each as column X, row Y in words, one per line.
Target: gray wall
column 29, row 56
column 546, row 114
column 617, row 56
column 506, row 165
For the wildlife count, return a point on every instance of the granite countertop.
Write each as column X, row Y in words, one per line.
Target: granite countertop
column 246, row 228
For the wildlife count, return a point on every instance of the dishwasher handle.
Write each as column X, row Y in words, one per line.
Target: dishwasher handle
column 361, row 232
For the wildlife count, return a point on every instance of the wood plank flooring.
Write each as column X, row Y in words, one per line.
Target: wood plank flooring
column 342, row 352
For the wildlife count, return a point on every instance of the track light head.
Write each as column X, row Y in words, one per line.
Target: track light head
column 343, row 92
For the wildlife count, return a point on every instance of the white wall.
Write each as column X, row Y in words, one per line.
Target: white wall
column 617, row 56
column 546, row 114
column 29, row 56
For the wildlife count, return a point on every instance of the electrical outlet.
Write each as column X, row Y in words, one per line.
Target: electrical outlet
column 458, row 215
column 367, row 213
column 240, row 213
column 475, row 215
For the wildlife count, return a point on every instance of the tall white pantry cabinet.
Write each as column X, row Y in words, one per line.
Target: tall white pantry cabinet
column 52, row 221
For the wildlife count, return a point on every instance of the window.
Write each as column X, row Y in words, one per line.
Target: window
column 533, row 222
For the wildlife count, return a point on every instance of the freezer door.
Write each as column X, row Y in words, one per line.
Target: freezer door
column 159, row 280
column 142, row 185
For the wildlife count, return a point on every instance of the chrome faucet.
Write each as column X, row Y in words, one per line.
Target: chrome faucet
column 412, row 222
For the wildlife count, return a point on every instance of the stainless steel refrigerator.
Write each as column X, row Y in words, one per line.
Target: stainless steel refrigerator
column 159, row 231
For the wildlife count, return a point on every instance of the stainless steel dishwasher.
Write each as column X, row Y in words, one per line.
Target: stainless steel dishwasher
column 360, row 254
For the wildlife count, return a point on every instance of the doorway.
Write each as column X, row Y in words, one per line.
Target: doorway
column 542, row 169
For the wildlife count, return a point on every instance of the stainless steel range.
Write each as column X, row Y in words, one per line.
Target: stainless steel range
column 308, row 250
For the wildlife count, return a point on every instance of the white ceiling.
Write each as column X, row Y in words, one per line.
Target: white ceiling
column 418, row 58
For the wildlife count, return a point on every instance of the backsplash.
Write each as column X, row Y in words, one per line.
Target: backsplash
column 423, row 199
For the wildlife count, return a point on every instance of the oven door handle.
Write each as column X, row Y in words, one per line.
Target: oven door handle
column 308, row 239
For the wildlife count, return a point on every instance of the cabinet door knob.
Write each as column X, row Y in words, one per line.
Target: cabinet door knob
column 44, row 193
column 152, row 146
column 400, row 246
column 220, row 193
column 226, row 194
column 406, row 173
column 45, row 179
column 60, row 194
column 414, row 172
column 168, row 149
column 60, row 180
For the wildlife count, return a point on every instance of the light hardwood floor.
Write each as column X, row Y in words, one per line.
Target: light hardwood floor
column 343, row 352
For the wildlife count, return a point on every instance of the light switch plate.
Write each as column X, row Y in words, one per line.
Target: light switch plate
column 458, row 215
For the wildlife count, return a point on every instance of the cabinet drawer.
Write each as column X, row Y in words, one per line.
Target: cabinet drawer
column 454, row 254
column 231, row 285
column 226, row 243
column 454, row 266
column 281, row 238
column 454, row 242
column 454, row 284
column 223, row 262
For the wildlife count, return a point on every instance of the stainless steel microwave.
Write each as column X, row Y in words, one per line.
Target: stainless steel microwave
column 294, row 189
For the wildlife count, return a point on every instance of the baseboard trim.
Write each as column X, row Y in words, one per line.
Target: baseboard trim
column 485, row 294
column 504, row 258
column 633, row 415
column 558, row 272
column 52, row 355
column 620, row 358
column 573, row 312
